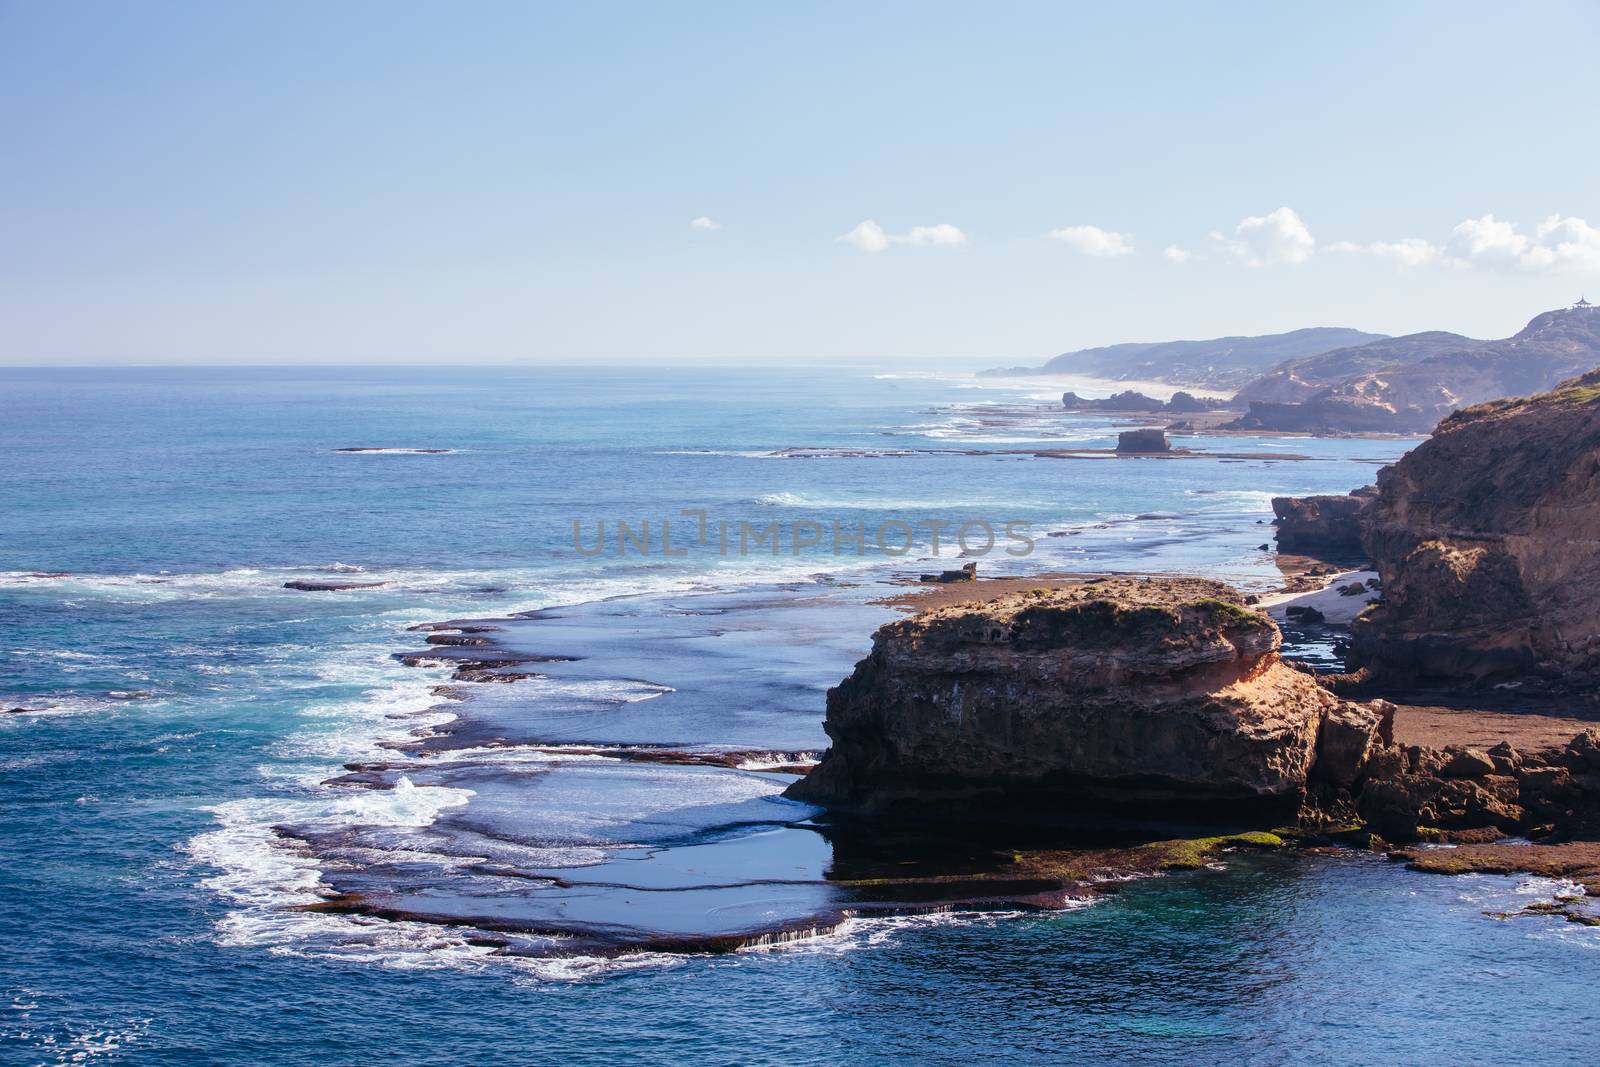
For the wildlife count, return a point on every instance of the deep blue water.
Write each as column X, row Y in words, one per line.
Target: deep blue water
column 181, row 702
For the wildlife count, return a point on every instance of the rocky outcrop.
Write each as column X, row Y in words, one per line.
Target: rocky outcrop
column 968, row 572
column 1322, row 526
column 1183, row 403
column 1164, row 698
column 1412, row 395
column 1162, row 701
column 1142, row 441
column 1458, row 793
column 1332, row 414
column 1130, row 401
column 1487, row 540
column 1127, row 400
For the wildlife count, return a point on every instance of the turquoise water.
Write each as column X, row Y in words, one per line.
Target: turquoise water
column 181, row 704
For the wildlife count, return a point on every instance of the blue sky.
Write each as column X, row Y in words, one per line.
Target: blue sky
column 484, row 182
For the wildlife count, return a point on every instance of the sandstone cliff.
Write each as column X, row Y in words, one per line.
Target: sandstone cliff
column 1487, row 539
column 1323, row 526
column 1161, row 697
column 1161, row 700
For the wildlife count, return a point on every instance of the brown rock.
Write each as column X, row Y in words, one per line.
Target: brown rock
column 1304, row 614
column 1386, row 712
column 1161, row 696
column 1386, row 761
column 1137, row 441
column 1487, row 540
column 1576, row 859
column 1346, row 736
column 1425, row 760
column 1400, row 808
column 1583, row 751
column 1507, row 760
column 1323, row 526
column 967, row 573
column 1467, row 763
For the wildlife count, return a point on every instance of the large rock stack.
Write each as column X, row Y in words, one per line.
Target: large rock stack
column 1157, row 697
column 1323, row 526
column 1162, row 701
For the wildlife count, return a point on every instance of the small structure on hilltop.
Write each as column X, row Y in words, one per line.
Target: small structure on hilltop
column 1583, row 304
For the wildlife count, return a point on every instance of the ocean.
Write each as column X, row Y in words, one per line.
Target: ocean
column 167, row 782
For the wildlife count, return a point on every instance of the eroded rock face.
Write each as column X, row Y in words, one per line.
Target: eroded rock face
column 1137, row 441
column 1161, row 700
column 1487, row 539
column 1129, row 400
column 1324, row 526
column 1407, row 794
column 1159, row 697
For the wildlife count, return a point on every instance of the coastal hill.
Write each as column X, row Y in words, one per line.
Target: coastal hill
column 1335, row 380
column 1220, row 363
column 1299, row 379
column 1407, row 384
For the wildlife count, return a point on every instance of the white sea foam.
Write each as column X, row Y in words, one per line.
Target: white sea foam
column 260, row 874
column 737, row 453
column 872, row 931
column 1233, row 499
column 428, row 594
column 889, row 503
column 49, row 706
column 77, row 1045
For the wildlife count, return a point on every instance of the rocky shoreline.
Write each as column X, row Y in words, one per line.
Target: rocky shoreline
column 868, row 872
column 1167, row 701
column 1030, row 744
column 1327, row 772
column 1164, row 702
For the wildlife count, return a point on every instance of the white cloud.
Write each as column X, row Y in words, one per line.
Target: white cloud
column 1567, row 244
column 1408, row 251
column 1174, row 254
column 1276, row 237
column 1093, row 241
column 704, row 223
column 1558, row 244
column 1487, row 241
column 870, row 237
column 942, row 234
